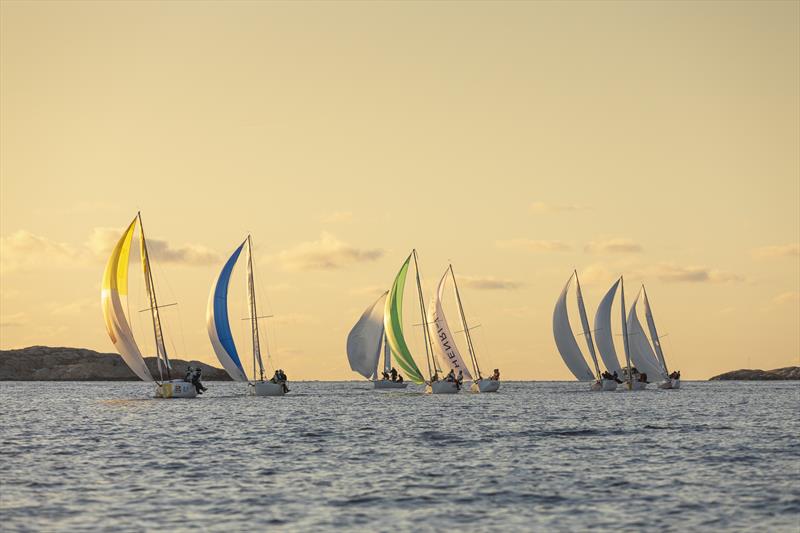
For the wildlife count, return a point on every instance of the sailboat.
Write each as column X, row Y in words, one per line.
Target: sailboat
column 444, row 345
column 642, row 352
column 568, row 345
column 364, row 346
column 219, row 328
column 393, row 324
column 113, row 300
column 605, row 337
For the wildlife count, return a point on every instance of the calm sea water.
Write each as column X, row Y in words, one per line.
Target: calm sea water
column 536, row 456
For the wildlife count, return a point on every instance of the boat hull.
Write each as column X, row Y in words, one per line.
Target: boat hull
column 670, row 384
column 265, row 388
column 442, row 387
column 388, row 384
column 635, row 385
column 604, row 385
column 176, row 388
column 485, row 385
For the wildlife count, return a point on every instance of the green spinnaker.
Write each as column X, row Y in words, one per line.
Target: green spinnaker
column 393, row 324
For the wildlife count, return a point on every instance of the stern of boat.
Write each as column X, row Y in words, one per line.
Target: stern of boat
column 441, row 387
column 485, row 385
column 265, row 388
column 176, row 388
column 388, row 384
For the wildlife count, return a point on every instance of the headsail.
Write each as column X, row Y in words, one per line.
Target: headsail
column 603, row 334
column 364, row 340
column 114, row 290
column 651, row 325
column 444, row 344
column 218, row 324
column 393, row 323
column 565, row 339
column 587, row 332
column 642, row 354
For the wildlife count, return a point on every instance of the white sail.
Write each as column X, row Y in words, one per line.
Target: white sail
column 565, row 339
column 364, row 340
column 603, row 335
column 587, row 332
column 444, row 345
column 642, row 355
column 112, row 300
column 651, row 325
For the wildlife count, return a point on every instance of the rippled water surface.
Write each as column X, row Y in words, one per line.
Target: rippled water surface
column 536, row 456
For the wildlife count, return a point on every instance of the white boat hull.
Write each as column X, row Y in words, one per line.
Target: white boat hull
column 265, row 388
column 176, row 388
column 388, row 384
column 670, row 384
column 635, row 385
column 442, row 387
column 485, row 385
column 604, row 385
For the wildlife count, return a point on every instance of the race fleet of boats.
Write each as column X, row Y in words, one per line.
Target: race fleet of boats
column 380, row 330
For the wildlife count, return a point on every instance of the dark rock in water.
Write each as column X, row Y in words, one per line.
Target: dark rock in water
column 790, row 372
column 45, row 363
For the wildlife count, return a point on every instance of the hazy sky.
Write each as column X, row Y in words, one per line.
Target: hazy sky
column 519, row 140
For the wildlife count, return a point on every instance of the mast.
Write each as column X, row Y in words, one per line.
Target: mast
column 428, row 345
column 387, row 355
column 625, row 330
column 161, row 349
column 470, row 346
column 585, row 323
column 253, row 313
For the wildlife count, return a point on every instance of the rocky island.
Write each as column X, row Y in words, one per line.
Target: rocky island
column 45, row 363
column 790, row 372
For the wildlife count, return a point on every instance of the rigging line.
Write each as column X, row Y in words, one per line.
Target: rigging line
column 470, row 346
column 428, row 346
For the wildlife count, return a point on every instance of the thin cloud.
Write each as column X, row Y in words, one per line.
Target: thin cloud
column 23, row 249
column 72, row 308
column 13, row 320
column 543, row 208
column 103, row 240
column 613, row 246
column 488, row 283
column 328, row 253
column 670, row 273
column 372, row 290
column 293, row 318
column 787, row 297
column 338, row 216
column 772, row 252
column 534, row 245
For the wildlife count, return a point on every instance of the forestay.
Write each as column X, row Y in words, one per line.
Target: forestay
column 113, row 301
column 218, row 321
column 444, row 345
column 603, row 335
column 651, row 325
column 565, row 339
column 393, row 324
column 364, row 340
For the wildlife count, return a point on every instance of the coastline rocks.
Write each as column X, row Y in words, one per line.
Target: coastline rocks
column 790, row 372
column 45, row 363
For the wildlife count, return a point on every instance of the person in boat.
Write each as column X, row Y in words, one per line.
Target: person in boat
column 283, row 380
column 451, row 376
column 399, row 378
column 393, row 372
column 675, row 375
column 188, row 377
column 459, row 379
column 198, row 385
column 615, row 377
column 643, row 377
column 496, row 375
column 385, row 375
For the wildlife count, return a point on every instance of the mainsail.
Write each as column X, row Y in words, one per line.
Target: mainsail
column 364, row 340
column 603, row 334
column 565, row 339
column 217, row 321
column 393, row 323
column 642, row 355
column 114, row 290
column 444, row 344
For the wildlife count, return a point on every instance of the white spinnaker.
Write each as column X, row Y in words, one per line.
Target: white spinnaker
column 364, row 340
column 603, row 335
column 651, row 325
column 112, row 301
column 565, row 339
column 444, row 344
column 587, row 332
column 642, row 355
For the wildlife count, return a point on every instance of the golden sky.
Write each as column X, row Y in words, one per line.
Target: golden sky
column 660, row 140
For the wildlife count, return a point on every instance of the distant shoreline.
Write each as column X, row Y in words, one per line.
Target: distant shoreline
column 789, row 373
